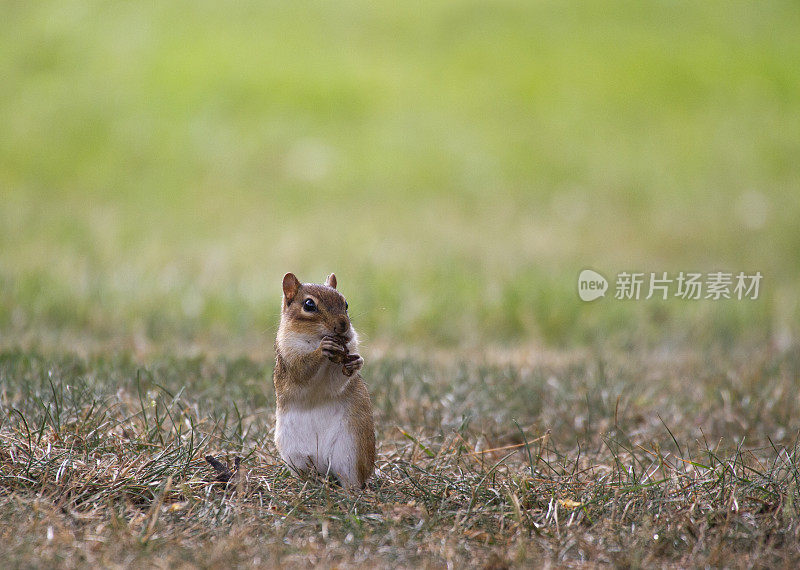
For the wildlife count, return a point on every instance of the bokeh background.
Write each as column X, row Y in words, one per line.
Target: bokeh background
column 456, row 163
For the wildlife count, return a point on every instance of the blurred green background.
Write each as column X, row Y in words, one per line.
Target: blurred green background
column 456, row 163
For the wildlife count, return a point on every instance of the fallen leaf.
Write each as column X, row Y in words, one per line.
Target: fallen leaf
column 569, row 503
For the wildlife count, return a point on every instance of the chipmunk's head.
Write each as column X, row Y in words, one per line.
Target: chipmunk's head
column 315, row 310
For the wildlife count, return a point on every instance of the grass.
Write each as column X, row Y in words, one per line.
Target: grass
column 508, row 459
column 457, row 165
column 163, row 166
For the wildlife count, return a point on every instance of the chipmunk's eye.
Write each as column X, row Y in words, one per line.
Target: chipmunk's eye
column 345, row 305
column 309, row 305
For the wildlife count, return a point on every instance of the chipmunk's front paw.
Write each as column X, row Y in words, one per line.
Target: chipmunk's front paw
column 352, row 363
column 333, row 349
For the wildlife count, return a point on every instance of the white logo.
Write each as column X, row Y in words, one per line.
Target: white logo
column 591, row 285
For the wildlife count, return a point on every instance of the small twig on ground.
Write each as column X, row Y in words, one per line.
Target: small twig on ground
column 224, row 474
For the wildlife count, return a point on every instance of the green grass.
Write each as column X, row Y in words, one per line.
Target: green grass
column 456, row 164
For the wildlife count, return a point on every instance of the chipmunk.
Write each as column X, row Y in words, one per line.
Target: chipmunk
column 324, row 415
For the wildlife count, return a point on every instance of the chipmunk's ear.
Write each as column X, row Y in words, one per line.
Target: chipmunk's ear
column 331, row 281
column 290, row 287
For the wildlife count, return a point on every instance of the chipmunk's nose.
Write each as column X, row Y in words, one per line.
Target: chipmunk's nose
column 341, row 326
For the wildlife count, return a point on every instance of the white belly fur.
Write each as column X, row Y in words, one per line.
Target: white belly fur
column 318, row 438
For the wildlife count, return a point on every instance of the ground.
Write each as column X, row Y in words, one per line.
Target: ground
column 504, row 459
